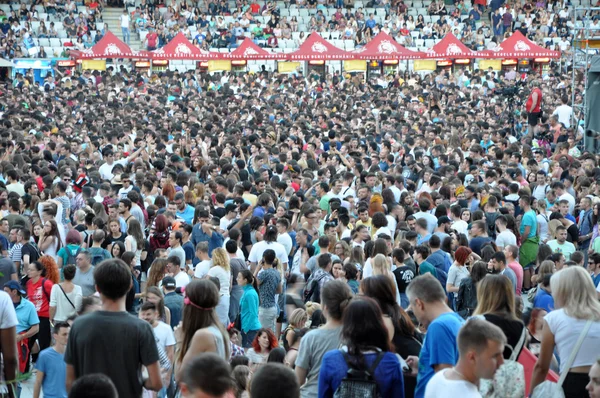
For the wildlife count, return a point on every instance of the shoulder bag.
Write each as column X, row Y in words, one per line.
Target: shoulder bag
column 509, row 380
column 549, row 389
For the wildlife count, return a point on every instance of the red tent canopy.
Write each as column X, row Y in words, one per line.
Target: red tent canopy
column 110, row 46
column 451, row 48
column 317, row 48
column 249, row 50
column 519, row 46
column 384, row 46
column 181, row 48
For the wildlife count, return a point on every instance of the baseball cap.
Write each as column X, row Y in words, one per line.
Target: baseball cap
column 444, row 220
column 169, row 282
column 14, row 285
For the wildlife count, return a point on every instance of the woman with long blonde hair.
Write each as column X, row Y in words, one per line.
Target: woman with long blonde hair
column 220, row 269
column 382, row 266
column 577, row 314
column 496, row 303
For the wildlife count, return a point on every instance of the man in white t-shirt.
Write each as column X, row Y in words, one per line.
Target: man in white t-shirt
column 505, row 236
column 205, row 262
column 283, row 236
column 162, row 332
column 269, row 242
column 480, row 346
column 564, row 112
column 125, row 21
column 173, row 266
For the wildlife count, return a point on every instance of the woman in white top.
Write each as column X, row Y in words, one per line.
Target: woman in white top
column 220, row 269
column 134, row 242
column 50, row 242
column 65, row 297
column 200, row 330
column 577, row 303
column 48, row 211
column 458, row 271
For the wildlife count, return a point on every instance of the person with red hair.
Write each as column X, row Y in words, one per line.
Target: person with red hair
column 52, row 272
column 159, row 238
column 262, row 345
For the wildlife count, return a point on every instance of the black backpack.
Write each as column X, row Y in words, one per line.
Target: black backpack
column 312, row 290
column 359, row 383
column 72, row 257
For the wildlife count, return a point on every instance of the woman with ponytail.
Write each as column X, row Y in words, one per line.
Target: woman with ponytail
column 249, row 323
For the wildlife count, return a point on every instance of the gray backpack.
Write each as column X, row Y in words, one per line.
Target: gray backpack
column 359, row 383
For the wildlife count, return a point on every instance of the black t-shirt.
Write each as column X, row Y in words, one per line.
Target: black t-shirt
column 404, row 275
column 33, row 252
column 512, row 328
column 132, row 339
column 573, row 234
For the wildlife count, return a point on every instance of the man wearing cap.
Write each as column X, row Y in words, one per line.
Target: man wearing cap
column 173, row 301
column 27, row 318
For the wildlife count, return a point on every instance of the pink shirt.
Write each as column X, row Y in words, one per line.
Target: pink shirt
column 518, row 270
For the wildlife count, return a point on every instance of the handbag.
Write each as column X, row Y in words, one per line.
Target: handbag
column 549, row 389
column 509, row 380
column 67, row 297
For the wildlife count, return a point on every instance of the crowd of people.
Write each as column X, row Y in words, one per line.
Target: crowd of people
column 302, row 235
column 221, row 24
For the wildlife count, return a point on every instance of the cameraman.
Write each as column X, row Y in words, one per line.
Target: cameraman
column 534, row 107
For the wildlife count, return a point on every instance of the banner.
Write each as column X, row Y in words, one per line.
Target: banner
column 495, row 64
column 287, row 67
column 93, row 64
column 425, row 64
column 217, row 65
column 355, row 66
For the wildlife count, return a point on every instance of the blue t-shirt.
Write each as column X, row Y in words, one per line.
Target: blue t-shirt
column 439, row 347
column 529, row 219
column 544, row 300
column 187, row 215
column 52, row 363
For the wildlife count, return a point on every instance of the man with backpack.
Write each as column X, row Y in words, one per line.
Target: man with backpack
column 97, row 252
column 480, row 345
column 428, row 301
column 84, row 276
column 318, row 279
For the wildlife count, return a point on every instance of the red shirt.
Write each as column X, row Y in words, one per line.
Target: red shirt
column 255, row 8
column 151, row 37
column 40, row 299
column 539, row 100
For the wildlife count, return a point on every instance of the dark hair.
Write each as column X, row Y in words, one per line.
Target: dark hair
column 113, row 278
column 363, row 327
column 40, row 267
column 94, row 385
column 381, row 289
column 69, row 271
column 59, row 325
column 269, row 256
column 239, row 360
column 335, row 296
column 271, row 379
column 208, row 373
column 276, row 355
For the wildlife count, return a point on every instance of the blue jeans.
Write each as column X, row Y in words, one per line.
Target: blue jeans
column 126, row 35
column 404, row 303
column 248, row 338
